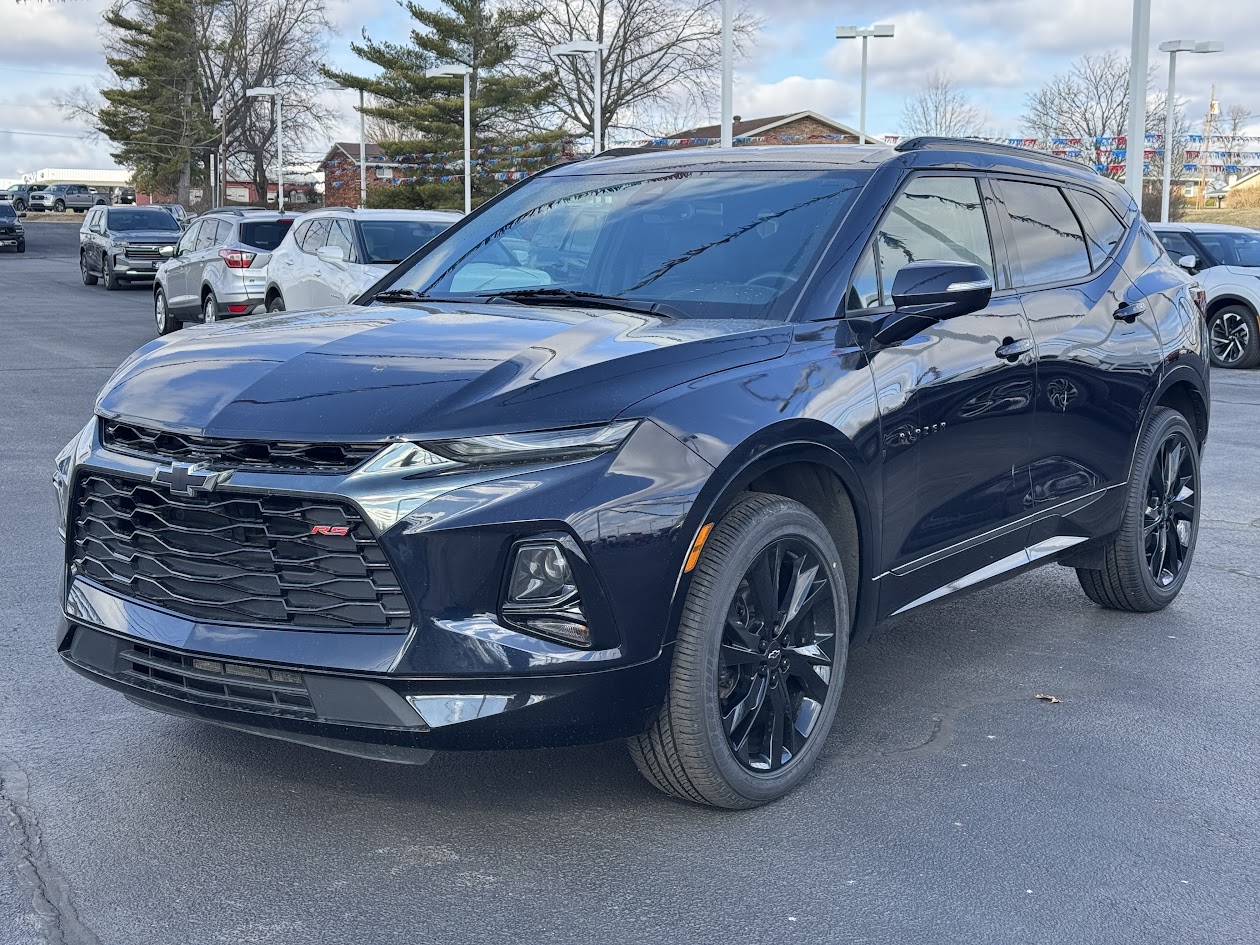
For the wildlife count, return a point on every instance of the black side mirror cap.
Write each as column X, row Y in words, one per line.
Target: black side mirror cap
column 941, row 289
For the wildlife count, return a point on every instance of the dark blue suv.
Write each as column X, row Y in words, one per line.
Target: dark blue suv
column 640, row 449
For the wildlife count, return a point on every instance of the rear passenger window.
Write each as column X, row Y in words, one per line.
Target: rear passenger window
column 1048, row 237
column 934, row 218
column 1103, row 229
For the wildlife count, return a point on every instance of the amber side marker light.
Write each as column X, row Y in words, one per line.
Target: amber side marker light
column 696, row 547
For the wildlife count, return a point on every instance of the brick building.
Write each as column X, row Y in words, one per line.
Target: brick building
column 341, row 172
column 797, row 128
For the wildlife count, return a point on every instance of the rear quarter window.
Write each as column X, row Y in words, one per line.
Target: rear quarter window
column 1103, row 229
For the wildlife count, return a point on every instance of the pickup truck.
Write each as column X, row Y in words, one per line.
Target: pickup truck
column 62, row 197
column 19, row 195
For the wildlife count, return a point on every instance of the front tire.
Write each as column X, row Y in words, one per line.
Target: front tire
column 162, row 314
column 758, row 662
column 107, row 274
column 60, row 206
column 1234, row 337
column 86, row 274
column 21, row 246
column 19, row 205
column 1146, row 564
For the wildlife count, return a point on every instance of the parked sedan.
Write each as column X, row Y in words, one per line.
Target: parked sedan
column 219, row 267
column 333, row 255
column 1226, row 260
column 123, row 244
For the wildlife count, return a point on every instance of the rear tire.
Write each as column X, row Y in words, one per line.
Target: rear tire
column 89, row 278
column 754, row 686
column 1234, row 337
column 275, row 304
column 162, row 314
column 209, row 309
column 1146, row 564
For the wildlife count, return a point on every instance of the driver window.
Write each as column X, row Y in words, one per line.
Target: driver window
column 339, row 235
column 934, row 218
column 189, row 239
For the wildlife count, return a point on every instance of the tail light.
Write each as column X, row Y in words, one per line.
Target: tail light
column 237, row 259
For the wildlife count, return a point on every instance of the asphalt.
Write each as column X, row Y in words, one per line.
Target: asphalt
column 952, row 805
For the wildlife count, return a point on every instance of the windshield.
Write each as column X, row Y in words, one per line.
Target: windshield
column 716, row 244
column 392, row 241
column 1233, row 249
column 141, row 220
column 7, row 212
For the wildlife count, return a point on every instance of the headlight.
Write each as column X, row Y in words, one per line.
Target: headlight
column 574, row 443
column 63, row 471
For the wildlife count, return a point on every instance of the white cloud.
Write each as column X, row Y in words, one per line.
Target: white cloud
column 794, row 94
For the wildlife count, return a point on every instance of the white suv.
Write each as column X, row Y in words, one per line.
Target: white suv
column 331, row 256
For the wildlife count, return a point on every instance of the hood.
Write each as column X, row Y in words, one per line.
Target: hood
column 359, row 373
column 146, row 236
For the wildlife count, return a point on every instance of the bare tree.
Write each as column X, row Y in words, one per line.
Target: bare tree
column 662, row 58
column 378, row 129
column 941, row 108
column 1089, row 101
column 1237, row 120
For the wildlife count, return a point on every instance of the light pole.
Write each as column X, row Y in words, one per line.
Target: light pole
column 333, row 87
column 728, row 75
column 454, row 69
column 1172, row 47
column 270, row 91
column 582, row 47
column 879, row 31
column 1135, row 157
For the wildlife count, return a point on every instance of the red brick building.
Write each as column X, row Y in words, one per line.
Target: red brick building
column 341, row 172
column 797, row 128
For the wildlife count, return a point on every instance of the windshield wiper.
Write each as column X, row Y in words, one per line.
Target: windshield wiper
column 411, row 295
column 558, row 296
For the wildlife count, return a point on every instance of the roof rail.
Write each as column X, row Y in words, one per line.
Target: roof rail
column 340, row 209
column 236, row 210
column 924, row 142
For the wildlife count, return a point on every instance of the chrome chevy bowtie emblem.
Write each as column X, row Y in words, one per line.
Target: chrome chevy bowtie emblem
column 188, row 478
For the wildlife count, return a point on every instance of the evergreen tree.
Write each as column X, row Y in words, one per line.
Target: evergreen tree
column 476, row 33
column 155, row 114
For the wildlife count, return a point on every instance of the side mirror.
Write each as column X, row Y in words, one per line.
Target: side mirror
column 334, row 255
column 168, row 251
column 1189, row 262
column 931, row 291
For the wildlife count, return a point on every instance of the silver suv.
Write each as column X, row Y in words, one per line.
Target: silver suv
column 219, row 268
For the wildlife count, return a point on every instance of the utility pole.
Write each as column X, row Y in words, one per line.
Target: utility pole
column 1214, row 109
column 1135, row 145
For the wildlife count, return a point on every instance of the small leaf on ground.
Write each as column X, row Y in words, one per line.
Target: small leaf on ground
column 1045, row 698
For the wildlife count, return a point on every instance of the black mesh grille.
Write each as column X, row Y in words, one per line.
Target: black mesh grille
column 319, row 457
column 243, row 685
column 235, row 557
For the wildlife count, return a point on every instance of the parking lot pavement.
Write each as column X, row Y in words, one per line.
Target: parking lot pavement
column 951, row 806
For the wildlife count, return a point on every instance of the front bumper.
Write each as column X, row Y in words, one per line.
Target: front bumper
column 375, row 716
column 127, row 268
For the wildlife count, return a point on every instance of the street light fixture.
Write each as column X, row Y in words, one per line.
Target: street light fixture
column 1172, row 47
column 864, row 33
column 583, row 47
column 334, row 87
column 270, row 91
column 451, row 70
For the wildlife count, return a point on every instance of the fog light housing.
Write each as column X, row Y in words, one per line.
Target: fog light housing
column 541, row 576
column 542, row 594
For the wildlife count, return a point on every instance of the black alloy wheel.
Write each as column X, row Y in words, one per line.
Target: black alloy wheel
column 1168, row 520
column 758, row 662
column 60, row 206
column 1234, row 337
column 778, row 653
column 1144, row 567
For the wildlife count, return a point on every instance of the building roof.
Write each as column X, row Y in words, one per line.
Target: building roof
column 350, row 149
column 756, row 127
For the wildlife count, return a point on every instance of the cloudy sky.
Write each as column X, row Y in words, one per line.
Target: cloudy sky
column 996, row 50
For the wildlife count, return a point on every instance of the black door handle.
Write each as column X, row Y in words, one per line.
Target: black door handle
column 1129, row 312
column 1012, row 350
